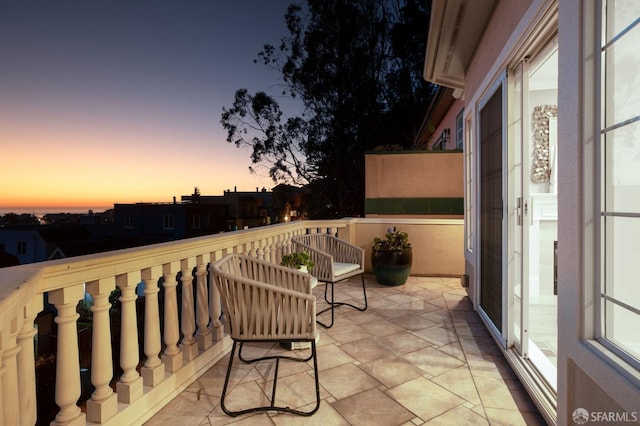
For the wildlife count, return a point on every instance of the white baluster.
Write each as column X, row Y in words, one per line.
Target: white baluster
column 153, row 370
column 26, row 364
column 172, row 357
column 10, row 349
column 67, row 358
column 216, row 326
column 129, row 387
column 203, row 335
column 279, row 250
column 189, row 345
column 104, row 402
column 260, row 253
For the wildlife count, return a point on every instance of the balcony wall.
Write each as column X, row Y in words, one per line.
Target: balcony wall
column 167, row 362
column 417, row 184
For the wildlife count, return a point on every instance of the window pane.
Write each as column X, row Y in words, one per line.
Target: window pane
column 622, row 252
column 622, row 178
column 622, row 328
column 621, row 14
column 622, row 80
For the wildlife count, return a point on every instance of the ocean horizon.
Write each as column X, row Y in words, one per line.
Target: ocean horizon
column 41, row 211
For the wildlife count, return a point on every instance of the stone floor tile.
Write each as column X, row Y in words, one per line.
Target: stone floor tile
column 383, row 327
column 347, row 380
column 413, row 322
column 293, row 391
column 372, row 407
column 185, row 409
column 469, row 317
column 470, row 329
column 246, row 395
column 459, row 416
column 489, row 365
column 433, row 361
column 218, row 417
column 424, row 398
column 460, row 381
column 500, row 417
column 403, row 298
column 365, row 317
column 403, row 343
column 212, row 381
column 439, row 301
column 345, row 333
column 438, row 336
column 504, row 394
column 366, row 350
column 427, row 292
column 266, row 368
column 479, row 345
column 419, row 307
column 333, row 356
column 391, row 312
column 326, row 415
column 391, row 371
column 439, row 316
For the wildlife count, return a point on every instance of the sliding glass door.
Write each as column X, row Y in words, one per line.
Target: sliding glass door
column 532, row 185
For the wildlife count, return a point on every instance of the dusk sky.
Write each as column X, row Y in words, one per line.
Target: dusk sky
column 105, row 102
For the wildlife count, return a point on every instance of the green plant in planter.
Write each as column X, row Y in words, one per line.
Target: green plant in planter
column 394, row 240
column 297, row 260
column 391, row 257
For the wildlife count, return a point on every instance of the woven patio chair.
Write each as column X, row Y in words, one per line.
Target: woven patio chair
column 334, row 260
column 265, row 302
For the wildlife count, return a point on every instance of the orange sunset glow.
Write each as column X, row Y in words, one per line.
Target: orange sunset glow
column 121, row 102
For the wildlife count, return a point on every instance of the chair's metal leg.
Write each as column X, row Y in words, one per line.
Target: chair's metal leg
column 275, row 383
column 226, row 381
column 271, row 407
column 315, row 372
column 364, row 292
column 332, row 303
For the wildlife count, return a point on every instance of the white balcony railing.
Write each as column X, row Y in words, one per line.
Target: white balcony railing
column 163, row 359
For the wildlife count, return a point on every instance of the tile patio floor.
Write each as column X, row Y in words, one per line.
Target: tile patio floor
column 418, row 355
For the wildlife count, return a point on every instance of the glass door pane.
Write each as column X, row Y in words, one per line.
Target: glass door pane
column 542, row 215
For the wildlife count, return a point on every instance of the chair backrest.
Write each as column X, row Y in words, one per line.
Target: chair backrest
column 338, row 250
column 264, row 301
column 323, row 242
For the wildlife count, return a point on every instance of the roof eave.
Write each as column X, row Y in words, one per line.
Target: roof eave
column 455, row 29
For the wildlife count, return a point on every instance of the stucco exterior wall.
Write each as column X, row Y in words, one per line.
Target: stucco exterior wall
column 448, row 122
column 418, row 184
column 505, row 18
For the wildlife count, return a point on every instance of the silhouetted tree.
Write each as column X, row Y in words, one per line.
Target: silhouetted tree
column 356, row 66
